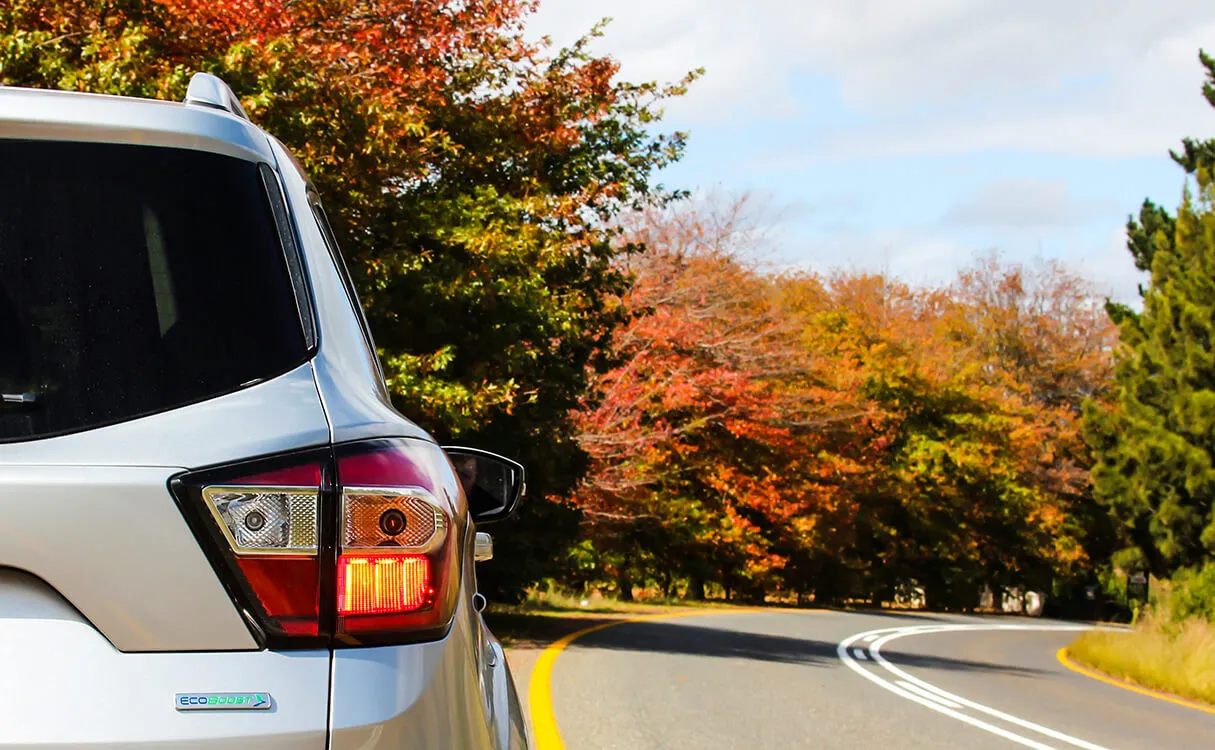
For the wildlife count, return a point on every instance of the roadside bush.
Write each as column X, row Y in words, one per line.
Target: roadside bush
column 1069, row 598
column 1192, row 595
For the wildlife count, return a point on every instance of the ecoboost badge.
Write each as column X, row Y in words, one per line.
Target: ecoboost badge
column 222, row 701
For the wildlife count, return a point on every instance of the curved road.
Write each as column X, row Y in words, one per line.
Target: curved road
column 815, row 679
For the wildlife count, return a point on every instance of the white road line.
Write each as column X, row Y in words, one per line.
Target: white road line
column 870, row 638
column 925, row 694
column 842, row 652
column 876, row 651
column 859, row 654
column 937, row 698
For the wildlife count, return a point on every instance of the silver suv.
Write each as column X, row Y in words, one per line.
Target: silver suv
column 215, row 531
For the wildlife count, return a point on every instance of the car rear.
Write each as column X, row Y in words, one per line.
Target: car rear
column 214, row 530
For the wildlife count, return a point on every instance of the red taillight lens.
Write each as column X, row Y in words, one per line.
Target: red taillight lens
column 395, row 568
column 383, row 584
column 286, row 589
column 353, row 546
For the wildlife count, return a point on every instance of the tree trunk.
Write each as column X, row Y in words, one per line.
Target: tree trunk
column 696, row 589
column 625, row 584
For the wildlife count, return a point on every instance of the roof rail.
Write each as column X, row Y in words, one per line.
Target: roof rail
column 210, row 91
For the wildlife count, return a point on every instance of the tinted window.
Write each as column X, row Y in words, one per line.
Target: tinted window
column 133, row 280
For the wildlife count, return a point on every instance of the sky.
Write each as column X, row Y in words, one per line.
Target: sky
column 907, row 136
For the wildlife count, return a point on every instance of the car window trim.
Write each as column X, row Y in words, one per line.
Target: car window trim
column 292, row 255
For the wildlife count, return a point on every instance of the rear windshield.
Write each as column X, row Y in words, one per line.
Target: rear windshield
column 133, row 280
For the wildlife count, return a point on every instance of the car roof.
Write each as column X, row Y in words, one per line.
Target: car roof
column 209, row 120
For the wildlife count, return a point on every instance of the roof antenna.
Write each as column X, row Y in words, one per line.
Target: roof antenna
column 210, row 91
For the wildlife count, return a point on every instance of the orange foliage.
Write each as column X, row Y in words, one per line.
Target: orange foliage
column 844, row 433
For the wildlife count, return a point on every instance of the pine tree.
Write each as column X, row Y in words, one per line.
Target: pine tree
column 1155, row 449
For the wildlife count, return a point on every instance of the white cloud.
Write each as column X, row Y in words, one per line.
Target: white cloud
column 914, row 255
column 1021, row 204
column 802, row 82
column 924, row 257
column 1103, row 77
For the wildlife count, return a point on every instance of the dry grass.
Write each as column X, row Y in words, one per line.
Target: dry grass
column 1175, row 658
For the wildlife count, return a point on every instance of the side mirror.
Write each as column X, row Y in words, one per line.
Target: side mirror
column 493, row 484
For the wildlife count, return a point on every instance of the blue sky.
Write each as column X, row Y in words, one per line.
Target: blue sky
column 907, row 136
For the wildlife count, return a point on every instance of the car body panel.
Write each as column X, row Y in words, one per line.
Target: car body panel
column 68, row 688
column 409, row 696
column 456, row 692
column 111, row 540
column 510, row 727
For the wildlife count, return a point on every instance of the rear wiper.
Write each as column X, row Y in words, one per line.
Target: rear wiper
column 19, row 400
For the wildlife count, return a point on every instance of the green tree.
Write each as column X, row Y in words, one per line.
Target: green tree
column 1155, row 447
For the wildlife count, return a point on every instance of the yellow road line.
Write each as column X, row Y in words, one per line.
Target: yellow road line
column 1061, row 655
column 540, row 694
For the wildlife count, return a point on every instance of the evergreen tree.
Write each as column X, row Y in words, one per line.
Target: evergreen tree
column 1155, row 449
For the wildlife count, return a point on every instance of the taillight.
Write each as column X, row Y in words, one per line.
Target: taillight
column 350, row 546
column 397, row 564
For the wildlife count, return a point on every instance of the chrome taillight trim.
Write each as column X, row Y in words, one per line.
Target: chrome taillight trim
column 208, row 496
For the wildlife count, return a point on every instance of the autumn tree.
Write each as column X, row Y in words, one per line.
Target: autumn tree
column 470, row 174
column 697, row 470
column 1050, row 348
column 951, row 476
column 840, row 435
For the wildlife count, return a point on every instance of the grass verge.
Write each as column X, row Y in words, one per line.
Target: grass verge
column 1177, row 659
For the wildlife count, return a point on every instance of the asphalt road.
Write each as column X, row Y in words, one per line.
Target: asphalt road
column 781, row 679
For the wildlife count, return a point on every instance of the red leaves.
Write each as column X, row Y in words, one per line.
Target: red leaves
column 231, row 19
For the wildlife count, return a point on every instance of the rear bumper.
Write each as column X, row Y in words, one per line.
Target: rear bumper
column 64, row 686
